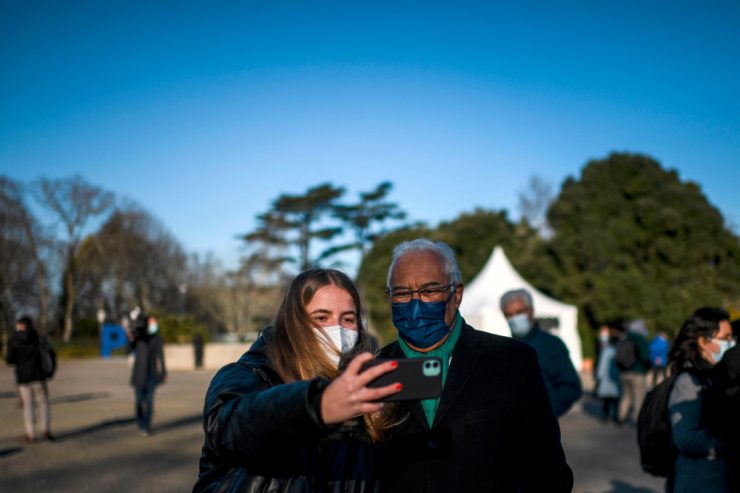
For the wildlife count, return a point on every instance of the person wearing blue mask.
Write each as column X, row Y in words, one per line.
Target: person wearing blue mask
column 561, row 379
column 701, row 453
column 492, row 428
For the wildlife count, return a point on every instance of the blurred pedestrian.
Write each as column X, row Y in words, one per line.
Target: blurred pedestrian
column 24, row 351
column 198, row 350
column 633, row 360
column 700, row 464
column 148, row 370
column 561, row 379
column 607, row 375
column 659, row 358
column 287, row 417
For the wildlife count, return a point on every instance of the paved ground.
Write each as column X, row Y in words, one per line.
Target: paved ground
column 99, row 450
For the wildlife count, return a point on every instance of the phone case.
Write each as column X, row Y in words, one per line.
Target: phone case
column 421, row 378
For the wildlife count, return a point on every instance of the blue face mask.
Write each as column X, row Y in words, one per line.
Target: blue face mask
column 421, row 324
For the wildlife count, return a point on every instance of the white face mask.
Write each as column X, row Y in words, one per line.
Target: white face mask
column 341, row 340
column 153, row 328
column 520, row 325
column 724, row 346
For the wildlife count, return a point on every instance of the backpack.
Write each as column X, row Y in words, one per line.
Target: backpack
column 626, row 356
column 654, row 430
column 48, row 358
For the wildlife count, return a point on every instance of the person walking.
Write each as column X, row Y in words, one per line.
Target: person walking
column 700, row 463
column 607, row 375
column 633, row 360
column 148, row 370
column 24, row 352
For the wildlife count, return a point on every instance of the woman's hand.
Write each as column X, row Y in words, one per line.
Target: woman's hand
column 348, row 395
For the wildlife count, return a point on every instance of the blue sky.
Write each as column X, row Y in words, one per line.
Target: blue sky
column 205, row 112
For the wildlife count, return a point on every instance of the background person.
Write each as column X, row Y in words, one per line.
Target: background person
column 659, row 358
column 148, row 370
column 700, row 464
column 287, row 415
column 24, row 353
column 561, row 379
column 607, row 375
column 633, row 360
column 492, row 428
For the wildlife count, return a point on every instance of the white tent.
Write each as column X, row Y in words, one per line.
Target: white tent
column 480, row 305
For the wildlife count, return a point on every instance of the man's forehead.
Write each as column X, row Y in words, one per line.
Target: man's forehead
column 422, row 266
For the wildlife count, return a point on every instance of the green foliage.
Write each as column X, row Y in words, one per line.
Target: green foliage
column 180, row 328
column 294, row 221
column 632, row 240
column 373, row 208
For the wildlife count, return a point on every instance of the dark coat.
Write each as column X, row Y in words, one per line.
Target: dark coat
column 263, row 435
column 148, row 361
column 561, row 379
column 24, row 353
column 494, row 429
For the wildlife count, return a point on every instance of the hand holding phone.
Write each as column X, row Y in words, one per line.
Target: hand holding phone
column 420, row 378
column 350, row 395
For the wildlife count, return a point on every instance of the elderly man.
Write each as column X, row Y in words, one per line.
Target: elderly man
column 492, row 428
column 561, row 379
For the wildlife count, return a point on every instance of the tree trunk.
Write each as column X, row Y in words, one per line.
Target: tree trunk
column 70, row 304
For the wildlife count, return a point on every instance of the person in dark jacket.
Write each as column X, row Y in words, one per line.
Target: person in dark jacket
column 287, row 417
column 492, row 428
column 724, row 406
column 24, row 353
column 561, row 379
column 148, row 370
column 701, row 460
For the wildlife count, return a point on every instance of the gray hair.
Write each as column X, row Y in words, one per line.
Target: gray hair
column 516, row 294
column 424, row 245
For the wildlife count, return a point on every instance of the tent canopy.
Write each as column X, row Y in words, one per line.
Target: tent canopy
column 480, row 305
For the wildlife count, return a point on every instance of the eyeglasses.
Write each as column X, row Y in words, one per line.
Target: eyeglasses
column 427, row 293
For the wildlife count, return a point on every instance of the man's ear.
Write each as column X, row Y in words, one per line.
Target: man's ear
column 459, row 294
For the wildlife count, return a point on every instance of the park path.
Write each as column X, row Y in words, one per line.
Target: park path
column 98, row 448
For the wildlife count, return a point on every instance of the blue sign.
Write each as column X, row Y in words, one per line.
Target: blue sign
column 112, row 337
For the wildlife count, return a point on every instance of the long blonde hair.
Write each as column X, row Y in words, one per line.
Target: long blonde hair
column 294, row 348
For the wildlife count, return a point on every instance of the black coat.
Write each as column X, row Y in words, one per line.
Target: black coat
column 24, row 353
column 494, row 430
column 262, row 435
column 148, row 360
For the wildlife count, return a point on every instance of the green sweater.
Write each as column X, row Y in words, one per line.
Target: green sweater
column 443, row 352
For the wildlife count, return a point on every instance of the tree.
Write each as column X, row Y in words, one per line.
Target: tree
column 74, row 202
column 235, row 302
column 534, row 201
column 631, row 239
column 131, row 261
column 23, row 281
column 372, row 209
column 295, row 221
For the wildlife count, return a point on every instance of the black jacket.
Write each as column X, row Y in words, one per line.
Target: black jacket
column 262, row 435
column 494, row 429
column 24, row 353
column 561, row 379
column 149, row 360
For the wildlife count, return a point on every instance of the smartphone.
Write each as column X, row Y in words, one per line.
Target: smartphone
column 421, row 378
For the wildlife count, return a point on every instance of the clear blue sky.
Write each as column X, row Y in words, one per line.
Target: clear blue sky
column 205, row 112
